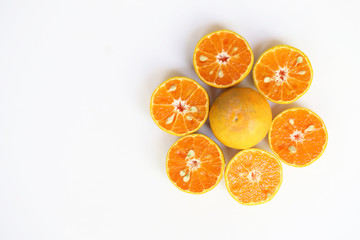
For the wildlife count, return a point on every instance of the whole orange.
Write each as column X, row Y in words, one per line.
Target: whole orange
column 240, row 118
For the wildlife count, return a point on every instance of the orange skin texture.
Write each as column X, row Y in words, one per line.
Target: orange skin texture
column 240, row 118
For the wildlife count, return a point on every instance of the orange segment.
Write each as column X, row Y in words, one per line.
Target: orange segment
column 283, row 74
column 195, row 164
column 298, row 137
column 253, row 176
column 179, row 106
column 222, row 59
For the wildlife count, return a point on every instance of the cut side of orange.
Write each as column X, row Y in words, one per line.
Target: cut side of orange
column 283, row 74
column 298, row 137
column 223, row 59
column 195, row 164
column 253, row 176
column 179, row 106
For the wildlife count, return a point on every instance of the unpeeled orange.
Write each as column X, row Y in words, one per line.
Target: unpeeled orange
column 240, row 118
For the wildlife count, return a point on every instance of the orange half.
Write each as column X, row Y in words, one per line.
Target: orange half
column 179, row 106
column 223, row 59
column 195, row 164
column 298, row 136
column 283, row 74
column 253, row 176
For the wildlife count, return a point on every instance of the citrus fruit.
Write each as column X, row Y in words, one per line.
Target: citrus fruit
column 195, row 164
column 240, row 117
column 253, row 176
column 298, row 137
column 179, row 106
column 283, row 74
column 223, row 59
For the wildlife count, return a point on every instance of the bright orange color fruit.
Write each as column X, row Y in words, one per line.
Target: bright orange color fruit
column 240, row 118
column 223, row 59
column 253, row 176
column 298, row 137
column 195, row 164
column 283, row 74
column 179, row 106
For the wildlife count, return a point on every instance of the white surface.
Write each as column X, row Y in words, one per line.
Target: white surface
column 82, row 159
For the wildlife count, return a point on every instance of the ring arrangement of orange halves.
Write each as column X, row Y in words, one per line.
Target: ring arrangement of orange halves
column 239, row 118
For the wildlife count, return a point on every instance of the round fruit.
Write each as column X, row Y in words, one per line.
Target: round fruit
column 195, row 164
column 240, row 118
column 223, row 59
column 283, row 74
column 298, row 137
column 253, row 176
column 179, row 106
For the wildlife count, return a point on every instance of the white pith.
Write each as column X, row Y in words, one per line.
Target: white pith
column 193, row 164
column 277, row 77
column 257, row 176
column 222, row 54
column 298, row 133
column 178, row 102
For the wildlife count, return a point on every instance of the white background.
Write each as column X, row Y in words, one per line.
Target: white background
column 81, row 158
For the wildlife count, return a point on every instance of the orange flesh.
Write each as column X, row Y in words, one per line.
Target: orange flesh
column 290, row 75
column 228, row 59
column 204, row 169
column 309, row 144
column 253, row 176
column 171, row 106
